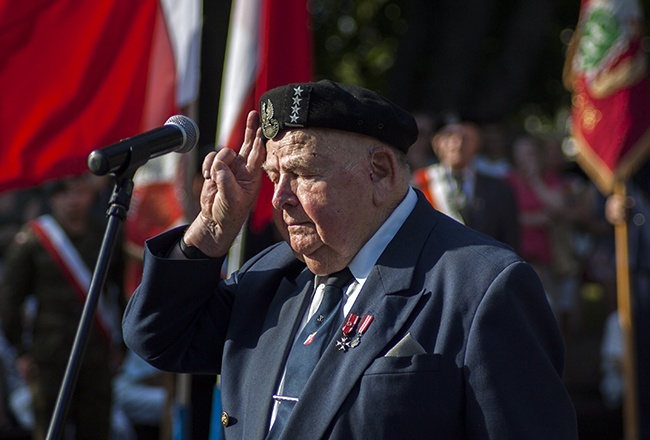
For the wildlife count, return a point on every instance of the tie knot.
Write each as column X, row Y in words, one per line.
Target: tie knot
column 339, row 279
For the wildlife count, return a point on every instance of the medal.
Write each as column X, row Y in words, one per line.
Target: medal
column 347, row 328
column 365, row 323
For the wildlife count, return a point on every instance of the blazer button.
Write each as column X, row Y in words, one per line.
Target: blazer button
column 225, row 418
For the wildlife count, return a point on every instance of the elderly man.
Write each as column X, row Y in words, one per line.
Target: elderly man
column 441, row 332
column 457, row 188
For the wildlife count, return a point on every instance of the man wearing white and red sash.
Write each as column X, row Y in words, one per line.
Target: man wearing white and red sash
column 456, row 188
column 51, row 261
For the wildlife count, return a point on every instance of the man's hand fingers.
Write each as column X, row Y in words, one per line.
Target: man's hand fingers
column 207, row 164
column 251, row 134
column 258, row 153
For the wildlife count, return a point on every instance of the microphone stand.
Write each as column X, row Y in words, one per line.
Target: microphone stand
column 116, row 213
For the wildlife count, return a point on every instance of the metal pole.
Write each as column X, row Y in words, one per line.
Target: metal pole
column 118, row 207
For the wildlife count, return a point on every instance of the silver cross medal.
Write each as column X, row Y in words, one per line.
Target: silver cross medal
column 348, row 326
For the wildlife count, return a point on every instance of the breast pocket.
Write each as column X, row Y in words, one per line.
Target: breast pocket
column 404, row 378
column 426, row 362
column 401, row 391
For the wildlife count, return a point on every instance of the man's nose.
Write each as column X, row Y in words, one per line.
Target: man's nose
column 283, row 193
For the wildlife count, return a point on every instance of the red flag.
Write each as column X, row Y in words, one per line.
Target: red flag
column 269, row 45
column 76, row 76
column 157, row 203
column 607, row 72
column 611, row 94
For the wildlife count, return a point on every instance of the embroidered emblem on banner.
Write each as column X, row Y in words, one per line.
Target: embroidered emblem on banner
column 270, row 126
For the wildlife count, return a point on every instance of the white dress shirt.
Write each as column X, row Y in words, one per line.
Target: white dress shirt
column 360, row 266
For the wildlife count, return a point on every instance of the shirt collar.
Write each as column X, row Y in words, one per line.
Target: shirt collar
column 367, row 257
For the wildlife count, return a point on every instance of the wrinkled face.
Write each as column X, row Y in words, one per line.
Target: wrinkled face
column 456, row 145
column 323, row 191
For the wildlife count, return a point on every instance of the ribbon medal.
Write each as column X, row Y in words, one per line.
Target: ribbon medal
column 365, row 323
column 348, row 327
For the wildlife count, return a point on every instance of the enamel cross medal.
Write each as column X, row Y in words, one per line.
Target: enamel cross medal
column 348, row 326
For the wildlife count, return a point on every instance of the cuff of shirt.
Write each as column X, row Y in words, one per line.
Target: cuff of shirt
column 190, row 252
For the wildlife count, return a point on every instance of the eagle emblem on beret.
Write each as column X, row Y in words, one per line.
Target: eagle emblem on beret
column 270, row 126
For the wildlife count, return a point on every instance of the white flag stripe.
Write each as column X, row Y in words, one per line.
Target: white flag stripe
column 240, row 67
column 183, row 18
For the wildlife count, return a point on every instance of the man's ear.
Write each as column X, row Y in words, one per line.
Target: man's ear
column 383, row 173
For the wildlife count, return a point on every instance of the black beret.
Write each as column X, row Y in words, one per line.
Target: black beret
column 345, row 107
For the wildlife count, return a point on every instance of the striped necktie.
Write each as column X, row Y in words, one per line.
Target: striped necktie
column 309, row 346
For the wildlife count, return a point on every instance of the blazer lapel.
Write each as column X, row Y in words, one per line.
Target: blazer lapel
column 338, row 371
column 387, row 298
column 265, row 364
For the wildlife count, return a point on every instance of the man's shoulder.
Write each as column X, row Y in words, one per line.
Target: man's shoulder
column 462, row 241
column 277, row 256
column 432, row 234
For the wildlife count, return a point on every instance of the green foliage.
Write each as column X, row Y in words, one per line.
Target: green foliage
column 356, row 41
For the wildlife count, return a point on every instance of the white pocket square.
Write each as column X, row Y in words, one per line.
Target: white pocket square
column 407, row 346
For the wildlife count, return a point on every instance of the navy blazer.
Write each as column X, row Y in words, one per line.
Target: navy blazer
column 487, row 362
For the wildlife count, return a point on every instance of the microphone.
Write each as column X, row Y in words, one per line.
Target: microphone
column 179, row 134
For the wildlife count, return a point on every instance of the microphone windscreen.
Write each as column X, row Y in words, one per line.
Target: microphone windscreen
column 190, row 131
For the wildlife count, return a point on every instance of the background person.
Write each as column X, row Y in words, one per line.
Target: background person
column 37, row 267
column 457, row 188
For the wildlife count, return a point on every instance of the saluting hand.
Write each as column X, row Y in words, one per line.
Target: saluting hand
column 232, row 183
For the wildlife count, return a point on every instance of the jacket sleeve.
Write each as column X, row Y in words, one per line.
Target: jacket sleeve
column 178, row 317
column 514, row 363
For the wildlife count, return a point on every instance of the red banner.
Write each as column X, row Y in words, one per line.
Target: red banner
column 606, row 70
column 75, row 76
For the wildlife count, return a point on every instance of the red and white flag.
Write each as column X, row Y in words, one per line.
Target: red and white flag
column 607, row 72
column 76, row 76
column 269, row 45
column 157, row 201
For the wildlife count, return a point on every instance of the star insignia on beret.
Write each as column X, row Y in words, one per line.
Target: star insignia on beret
column 295, row 108
column 270, row 126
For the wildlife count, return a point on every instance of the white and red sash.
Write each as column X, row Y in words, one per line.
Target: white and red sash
column 433, row 182
column 58, row 245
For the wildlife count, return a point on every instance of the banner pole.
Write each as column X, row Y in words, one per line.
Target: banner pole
column 626, row 321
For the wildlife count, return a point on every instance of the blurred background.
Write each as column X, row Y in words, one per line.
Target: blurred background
column 496, row 63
